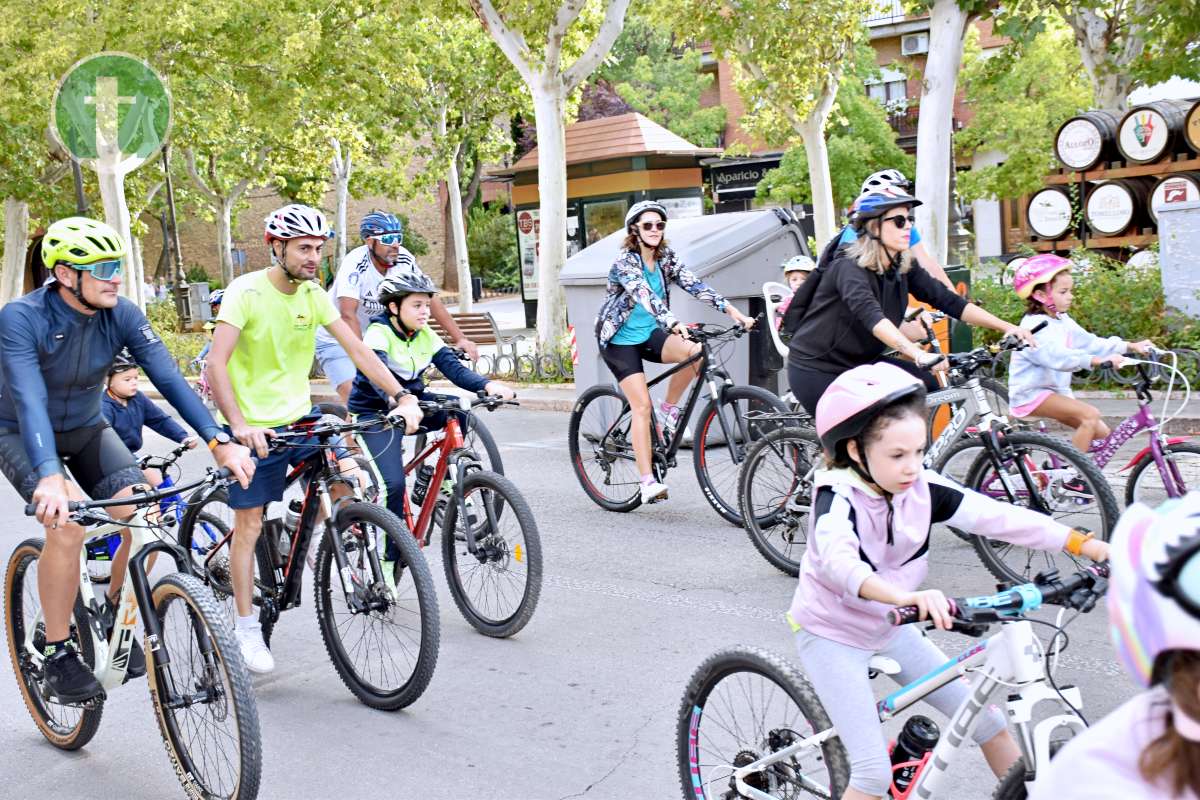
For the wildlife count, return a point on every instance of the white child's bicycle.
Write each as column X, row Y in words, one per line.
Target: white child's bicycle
column 199, row 687
column 751, row 725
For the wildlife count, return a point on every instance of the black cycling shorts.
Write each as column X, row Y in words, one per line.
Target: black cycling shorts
column 626, row 359
column 95, row 457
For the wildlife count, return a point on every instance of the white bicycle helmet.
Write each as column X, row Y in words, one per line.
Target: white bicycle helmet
column 886, row 179
column 293, row 221
column 1154, row 584
column 637, row 209
column 800, row 263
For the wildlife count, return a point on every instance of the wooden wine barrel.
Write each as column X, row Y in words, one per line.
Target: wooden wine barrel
column 1191, row 127
column 1049, row 213
column 1088, row 139
column 1182, row 187
column 1113, row 207
column 1149, row 132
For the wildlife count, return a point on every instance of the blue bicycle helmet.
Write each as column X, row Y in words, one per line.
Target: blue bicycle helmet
column 378, row 223
column 876, row 204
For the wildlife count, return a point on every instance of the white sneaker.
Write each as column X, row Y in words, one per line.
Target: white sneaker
column 653, row 492
column 254, row 650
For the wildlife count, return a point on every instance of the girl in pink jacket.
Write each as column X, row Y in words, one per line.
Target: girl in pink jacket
column 867, row 552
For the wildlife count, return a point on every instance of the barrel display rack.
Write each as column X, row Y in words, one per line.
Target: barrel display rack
column 1116, row 172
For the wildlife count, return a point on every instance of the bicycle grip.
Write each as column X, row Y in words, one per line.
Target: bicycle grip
column 1039, row 326
column 904, row 615
column 73, row 505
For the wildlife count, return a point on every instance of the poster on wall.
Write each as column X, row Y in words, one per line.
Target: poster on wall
column 528, row 229
column 683, row 207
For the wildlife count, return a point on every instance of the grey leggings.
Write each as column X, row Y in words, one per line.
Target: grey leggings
column 839, row 674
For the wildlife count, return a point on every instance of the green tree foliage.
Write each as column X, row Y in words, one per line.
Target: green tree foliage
column 860, row 142
column 656, row 77
column 1017, row 110
column 492, row 240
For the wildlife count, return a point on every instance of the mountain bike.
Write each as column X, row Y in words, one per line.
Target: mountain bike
column 978, row 447
column 199, row 687
column 751, row 726
column 601, row 446
column 491, row 549
column 380, row 628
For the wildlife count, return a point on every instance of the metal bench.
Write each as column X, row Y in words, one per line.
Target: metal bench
column 481, row 329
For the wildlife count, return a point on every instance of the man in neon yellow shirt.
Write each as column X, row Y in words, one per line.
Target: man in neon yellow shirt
column 262, row 351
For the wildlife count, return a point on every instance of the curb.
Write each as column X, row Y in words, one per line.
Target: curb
column 325, row 396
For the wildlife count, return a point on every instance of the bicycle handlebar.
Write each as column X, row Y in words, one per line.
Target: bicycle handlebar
column 160, row 462
column 703, row 331
column 143, row 499
column 1079, row 591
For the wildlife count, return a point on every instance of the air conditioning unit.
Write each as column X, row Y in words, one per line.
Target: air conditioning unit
column 914, row 44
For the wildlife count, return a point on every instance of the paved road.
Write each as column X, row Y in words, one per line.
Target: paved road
column 580, row 704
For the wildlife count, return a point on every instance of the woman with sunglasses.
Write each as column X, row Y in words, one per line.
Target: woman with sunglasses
column 857, row 306
column 635, row 324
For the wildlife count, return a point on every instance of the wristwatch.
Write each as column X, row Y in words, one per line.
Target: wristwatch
column 398, row 396
column 219, row 439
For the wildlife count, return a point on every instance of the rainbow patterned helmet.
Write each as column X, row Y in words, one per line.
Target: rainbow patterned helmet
column 1037, row 270
column 1154, row 586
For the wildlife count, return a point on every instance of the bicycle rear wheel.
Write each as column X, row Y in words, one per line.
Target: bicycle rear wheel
column 67, row 727
column 497, row 588
column 775, row 496
column 202, row 695
column 1049, row 475
column 384, row 641
column 716, row 465
column 1147, row 485
column 602, row 449
column 741, row 705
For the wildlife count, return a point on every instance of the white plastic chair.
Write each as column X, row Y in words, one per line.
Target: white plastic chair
column 775, row 293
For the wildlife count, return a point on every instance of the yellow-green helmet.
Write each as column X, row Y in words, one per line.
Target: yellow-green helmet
column 80, row 241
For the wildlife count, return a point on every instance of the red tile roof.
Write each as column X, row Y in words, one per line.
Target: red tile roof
column 622, row 136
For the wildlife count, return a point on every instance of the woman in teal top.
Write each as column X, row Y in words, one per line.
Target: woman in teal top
column 635, row 324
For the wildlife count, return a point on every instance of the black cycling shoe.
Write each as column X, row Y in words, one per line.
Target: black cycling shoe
column 136, row 665
column 68, row 679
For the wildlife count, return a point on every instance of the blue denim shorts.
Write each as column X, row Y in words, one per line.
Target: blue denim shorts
column 270, row 473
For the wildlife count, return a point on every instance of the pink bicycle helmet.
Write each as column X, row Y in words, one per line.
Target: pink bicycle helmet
column 853, row 400
column 1154, row 584
column 1037, row 270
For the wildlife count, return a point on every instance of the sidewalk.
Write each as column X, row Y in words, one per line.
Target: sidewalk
column 561, row 397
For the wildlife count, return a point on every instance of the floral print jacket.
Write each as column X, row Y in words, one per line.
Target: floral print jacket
column 627, row 287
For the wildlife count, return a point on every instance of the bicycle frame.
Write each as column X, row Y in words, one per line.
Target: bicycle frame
column 717, row 380
column 112, row 652
column 450, row 456
column 1010, row 659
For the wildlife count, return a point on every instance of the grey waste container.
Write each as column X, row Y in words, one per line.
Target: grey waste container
column 198, row 301
column 734, row 253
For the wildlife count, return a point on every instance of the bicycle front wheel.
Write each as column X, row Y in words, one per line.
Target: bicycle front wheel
column 380, row 628
column 205, row 533
column 1047, row 474
column 775, row 495
column 741, row 705
column 496, row 588
column 601, row 449
column 1148, row 485
column 719, row 448
column 202, row 695
column 67, row 727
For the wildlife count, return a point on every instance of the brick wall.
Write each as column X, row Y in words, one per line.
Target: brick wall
column 198, row 238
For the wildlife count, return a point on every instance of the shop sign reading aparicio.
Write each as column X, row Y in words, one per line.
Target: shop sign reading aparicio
column 742, row 176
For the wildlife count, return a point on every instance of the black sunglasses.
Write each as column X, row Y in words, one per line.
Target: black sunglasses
column 653, row 226
column 901, row 220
